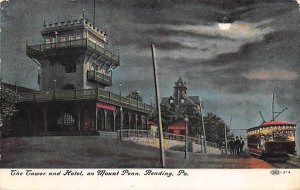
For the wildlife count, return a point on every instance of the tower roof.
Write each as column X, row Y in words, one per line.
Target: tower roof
column 180, row 83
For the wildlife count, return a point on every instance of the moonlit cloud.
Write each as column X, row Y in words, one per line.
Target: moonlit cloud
column 272, row 75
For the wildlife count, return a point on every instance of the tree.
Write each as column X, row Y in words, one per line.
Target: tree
column 8, row 99
column 215, row 128
column 135, row 95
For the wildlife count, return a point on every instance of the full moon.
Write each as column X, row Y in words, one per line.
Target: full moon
column 224, row 26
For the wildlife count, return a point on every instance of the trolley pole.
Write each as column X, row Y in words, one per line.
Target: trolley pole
column 157, row 94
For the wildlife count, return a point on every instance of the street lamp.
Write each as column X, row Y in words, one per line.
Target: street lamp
column 186, row 120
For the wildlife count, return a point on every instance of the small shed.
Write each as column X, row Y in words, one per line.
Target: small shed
column 177, row 128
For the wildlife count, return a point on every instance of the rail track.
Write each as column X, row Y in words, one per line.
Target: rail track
column 288, row 161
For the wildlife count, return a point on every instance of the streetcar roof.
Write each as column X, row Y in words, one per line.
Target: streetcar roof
column 271, row 123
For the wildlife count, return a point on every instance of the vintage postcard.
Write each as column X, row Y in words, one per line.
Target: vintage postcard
column 164, row 94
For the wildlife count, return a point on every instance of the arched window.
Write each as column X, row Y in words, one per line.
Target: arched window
column 68, row 120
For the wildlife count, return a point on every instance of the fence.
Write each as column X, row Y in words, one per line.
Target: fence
column 129, row 133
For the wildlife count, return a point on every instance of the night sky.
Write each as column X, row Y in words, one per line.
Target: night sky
column 234, row 71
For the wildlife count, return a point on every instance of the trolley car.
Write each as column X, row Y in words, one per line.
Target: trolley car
column 273, row 138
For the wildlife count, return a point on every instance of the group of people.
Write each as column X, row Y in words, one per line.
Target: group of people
column 236, row 146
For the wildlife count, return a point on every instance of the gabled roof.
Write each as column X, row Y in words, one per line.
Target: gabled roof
column 165, row 100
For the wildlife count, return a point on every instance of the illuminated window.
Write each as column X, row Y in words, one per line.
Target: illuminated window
column 171, row 101
column 53, row 40
column 62, row 39
column 71, row 37
column 68, row 120
column 48, row 40
column 77, row 37
column 182, row 100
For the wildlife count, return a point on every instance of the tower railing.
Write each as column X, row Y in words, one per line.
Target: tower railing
column 33, row 50
column 85, row 94
column 93, row 75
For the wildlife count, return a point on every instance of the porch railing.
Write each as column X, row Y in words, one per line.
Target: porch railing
column 95, row 76
column 85, row 94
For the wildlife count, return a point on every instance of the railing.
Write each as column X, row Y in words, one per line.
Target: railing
column 96, row 94
column 32, row 50
column 155, row 134
column 95, row 76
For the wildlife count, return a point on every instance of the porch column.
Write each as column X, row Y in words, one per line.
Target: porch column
column 147, row 128
column 142, row 122
column 114, row 115
column 28, row 112
column 96, row 118
column 129, row 119
column 105, row 119
column 79, row 119
column 136, row 120
column 45, row 118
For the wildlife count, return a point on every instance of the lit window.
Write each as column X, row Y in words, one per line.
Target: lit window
column 53, row 40
column 68, row 120
column 71, row 37
column 77, row 37
column 182, row 100
column 48, row 40
column 171, row 101
column 62, row 39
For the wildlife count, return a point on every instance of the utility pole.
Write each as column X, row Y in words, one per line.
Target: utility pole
column 186, row 120
column 272, row 107
column 157, row 94
column 203, row 128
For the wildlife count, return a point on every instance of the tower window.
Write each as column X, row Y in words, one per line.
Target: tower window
column 182, row 100
column 70, row 68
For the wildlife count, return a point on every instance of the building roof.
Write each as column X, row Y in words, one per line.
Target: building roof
column 152, row 123
column 19, row 89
